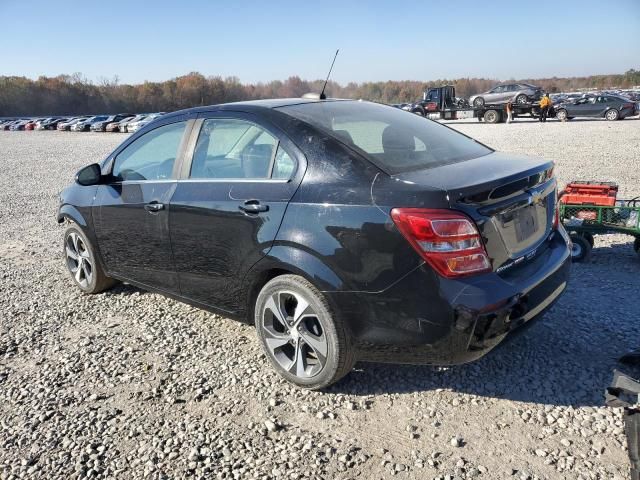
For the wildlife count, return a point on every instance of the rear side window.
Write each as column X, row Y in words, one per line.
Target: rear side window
column 395, row 140
column 151, row 156
column 237, row 149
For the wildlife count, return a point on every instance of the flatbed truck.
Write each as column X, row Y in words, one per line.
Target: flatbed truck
column 442, row 100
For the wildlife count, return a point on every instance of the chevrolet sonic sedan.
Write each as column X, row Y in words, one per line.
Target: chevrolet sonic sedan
column 344, row 230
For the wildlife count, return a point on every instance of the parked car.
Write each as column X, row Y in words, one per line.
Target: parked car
column 8, row 124
column 344, row 230
column 135, row 126
column 48, row 123
column 604, row 106
column 517, row 92
column 125, row 124
column 53, row 124
column 101, row 126
column 31, row 124
column 19, row 125
column 116, row 126
column 66, row 126
column 85, row 125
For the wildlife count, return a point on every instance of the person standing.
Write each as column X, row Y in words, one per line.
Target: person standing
column 545, row 104
column 509, row 111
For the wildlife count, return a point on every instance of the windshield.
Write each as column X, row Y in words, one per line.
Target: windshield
column 395, row 140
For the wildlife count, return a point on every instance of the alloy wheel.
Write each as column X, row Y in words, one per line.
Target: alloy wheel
column 78, row 259
column 294, row 334
column 612, row 114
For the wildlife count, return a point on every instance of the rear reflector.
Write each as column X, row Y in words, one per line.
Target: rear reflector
column 449, row 241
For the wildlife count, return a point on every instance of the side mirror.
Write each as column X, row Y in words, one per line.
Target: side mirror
column 89, row 175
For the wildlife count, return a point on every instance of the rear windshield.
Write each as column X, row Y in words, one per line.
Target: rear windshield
column 395, row 140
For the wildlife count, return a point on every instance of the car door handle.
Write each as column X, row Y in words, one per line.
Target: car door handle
column 253, row 206
column 154, row 207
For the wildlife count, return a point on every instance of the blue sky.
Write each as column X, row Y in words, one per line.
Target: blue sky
column 267, row 40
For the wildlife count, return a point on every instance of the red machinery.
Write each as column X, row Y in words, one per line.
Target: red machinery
column 590, row 193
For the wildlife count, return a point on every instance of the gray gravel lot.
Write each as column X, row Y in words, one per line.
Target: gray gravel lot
column 128, row 384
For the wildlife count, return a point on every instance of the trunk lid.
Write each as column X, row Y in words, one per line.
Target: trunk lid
column 511, row 198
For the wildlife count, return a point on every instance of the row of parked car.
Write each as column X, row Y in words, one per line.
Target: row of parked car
column 122, row 122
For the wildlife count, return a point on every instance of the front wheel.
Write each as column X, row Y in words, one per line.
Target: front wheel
column 580, row 248
column 612, row 114
column 562, row 115
column 478, row 102
column 82, row 263
column 304, row 340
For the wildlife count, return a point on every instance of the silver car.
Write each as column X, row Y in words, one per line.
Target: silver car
column 135, row 126
column 520, row 93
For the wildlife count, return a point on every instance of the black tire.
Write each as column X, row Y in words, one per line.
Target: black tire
column 636, row 245
column 612, row 115
column 88, row 274
column 418, row 111
column 589, row 238
column 289, row 338
column 492, row 116
column 581, row 248
column 478, row 102
column 521, row 99
column 562, row 115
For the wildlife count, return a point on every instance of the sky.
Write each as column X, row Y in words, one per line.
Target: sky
column 274, row 39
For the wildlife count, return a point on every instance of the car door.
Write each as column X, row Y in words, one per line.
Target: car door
column 493, row 94
column 601, row 105
column 131, row 214
column 580, row 108
column 509, row 93
column 229, row 203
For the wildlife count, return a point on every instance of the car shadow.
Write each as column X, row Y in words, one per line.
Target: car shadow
column 124, row 289
column 565, row 358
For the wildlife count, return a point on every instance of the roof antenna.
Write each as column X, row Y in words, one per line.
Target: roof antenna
column 322, row 95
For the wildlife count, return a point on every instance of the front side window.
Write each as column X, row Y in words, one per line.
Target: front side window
column 151, row 156
column 236, row 149
column 395, row 140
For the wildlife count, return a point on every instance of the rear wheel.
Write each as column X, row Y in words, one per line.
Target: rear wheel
column 478, row 102
column 612, row 114
column 492, row 116
column 562, row 115
column 82, row 263
column 580, row 248
column 304, row 340
column 521, row 99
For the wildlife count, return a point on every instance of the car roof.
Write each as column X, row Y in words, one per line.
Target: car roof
column 254, row 105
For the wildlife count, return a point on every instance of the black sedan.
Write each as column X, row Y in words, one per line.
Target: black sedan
column 343, row 230
column 610, row 107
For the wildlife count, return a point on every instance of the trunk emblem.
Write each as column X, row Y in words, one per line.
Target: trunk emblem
column 535, row 198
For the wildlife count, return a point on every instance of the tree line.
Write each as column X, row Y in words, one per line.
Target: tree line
column 74, row 94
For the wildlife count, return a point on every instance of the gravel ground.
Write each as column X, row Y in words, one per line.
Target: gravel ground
column 128, row 384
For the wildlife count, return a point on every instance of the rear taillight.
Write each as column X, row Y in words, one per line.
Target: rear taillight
column 449, row 241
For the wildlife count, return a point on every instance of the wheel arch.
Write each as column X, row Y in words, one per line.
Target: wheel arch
column 284, row 260
column 69, row 212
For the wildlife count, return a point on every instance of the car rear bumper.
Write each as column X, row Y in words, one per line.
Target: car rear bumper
column 426, row 319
